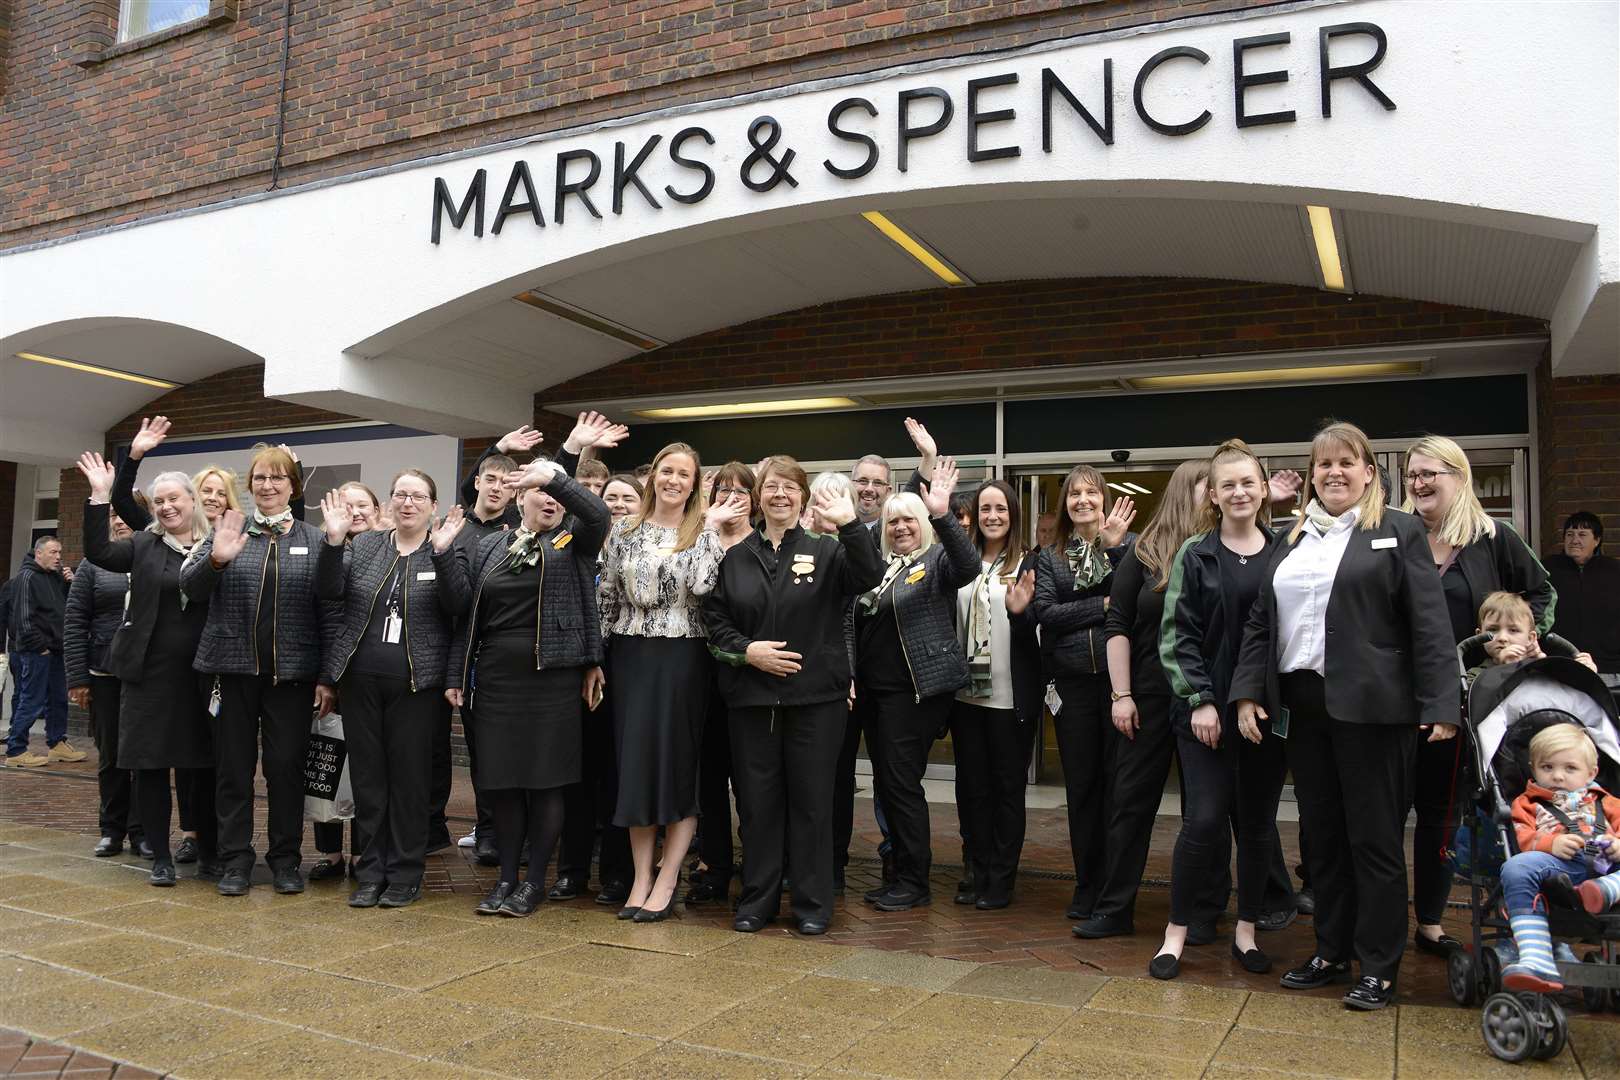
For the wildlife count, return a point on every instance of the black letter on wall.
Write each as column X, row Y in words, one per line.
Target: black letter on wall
column 531, row 202
column 1357, row 72
column 1050, row 82
column 853, row 136
column 1141, row 83
column 623, row 177
column 907, row 132
column 474, row 199
column 577, row 188
column 1241, row 82
column 675, row 145
column 975, row 118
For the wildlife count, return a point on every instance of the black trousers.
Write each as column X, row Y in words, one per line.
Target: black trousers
column 439, row 779
column 1353, row 782
column 328, row 835
column 185, row 787
column 1436, row 783
column 484, row 823
column 783, row 761
column 714, row 793
column 588, row 806
column 254, row 709
column 118, row 815
column 1087, row 745
column 1134, row 789
column 992, row 763
column 390, row 731
column 857, row 720
column 151, row 790
column 1234, row 787
column 906, row 730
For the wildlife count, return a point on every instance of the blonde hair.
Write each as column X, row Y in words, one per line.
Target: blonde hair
column 691, row 526
column 1465, row 519
column 232, row 500
column 1503, row 605
column 908, row 504
column 1556, row 738
column 1345, row 434
column 1209, row 516
column 1176, row 519
column 273, row 458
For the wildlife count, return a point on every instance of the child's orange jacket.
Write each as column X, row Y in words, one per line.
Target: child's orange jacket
column 1536, row 828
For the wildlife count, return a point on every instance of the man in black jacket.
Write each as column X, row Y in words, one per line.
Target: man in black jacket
column 1588, row 584
column 38, row 607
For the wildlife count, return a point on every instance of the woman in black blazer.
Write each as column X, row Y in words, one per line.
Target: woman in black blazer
column 1347, row 653
column 163, row 720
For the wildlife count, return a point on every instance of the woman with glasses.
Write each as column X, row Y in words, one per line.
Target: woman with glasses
column 264, row 643
column 401, row 591
column 776, row 619
column 1475, row 556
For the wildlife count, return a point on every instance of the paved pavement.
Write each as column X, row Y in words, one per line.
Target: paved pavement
column 99, row 971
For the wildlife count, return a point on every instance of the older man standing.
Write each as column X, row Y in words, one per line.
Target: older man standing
column 38, row 602
column 1588, row 584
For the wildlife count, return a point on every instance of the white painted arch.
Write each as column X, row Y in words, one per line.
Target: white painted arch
column 1505, row 131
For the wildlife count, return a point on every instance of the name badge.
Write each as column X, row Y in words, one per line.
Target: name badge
column 917, row 575
column 426, row 575
column 1383, row 542
column 562, row 541
column 298, row 551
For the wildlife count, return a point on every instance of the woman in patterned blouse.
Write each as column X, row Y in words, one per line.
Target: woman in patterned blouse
column 657, row 566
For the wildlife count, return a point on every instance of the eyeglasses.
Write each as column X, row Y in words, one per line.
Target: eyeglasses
column 419, row 498
column 785, row 488
column 274, row 480
column 726, row 493
column 866, row 482
column 1427, row 476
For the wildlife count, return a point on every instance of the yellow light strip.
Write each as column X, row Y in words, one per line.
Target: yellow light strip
column 1264, row 375
column 933, row 262
column 738, row 408
column 1327, row 247
column 96, row 369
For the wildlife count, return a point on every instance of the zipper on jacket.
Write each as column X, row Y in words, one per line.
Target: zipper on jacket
column 347, row 660
column 770, row 598
column 539, row 604
column 900, row 632
column 472, row 632
column 1091, row 648
column 258, row 605
column 405, row 609
column 275, row 616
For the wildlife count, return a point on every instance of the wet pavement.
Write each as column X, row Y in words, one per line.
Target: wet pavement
column 101, row 972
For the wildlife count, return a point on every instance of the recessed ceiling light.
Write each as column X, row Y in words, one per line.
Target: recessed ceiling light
column 1327, row 248
column 596, row 323
column 1138, row 488
column 1282, row 374
column 743, row 408
column 97, row 369
column 936, row 265
column 1122, row 489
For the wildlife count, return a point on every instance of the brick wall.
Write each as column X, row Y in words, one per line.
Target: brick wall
column 1579, row 422
column 192, row 119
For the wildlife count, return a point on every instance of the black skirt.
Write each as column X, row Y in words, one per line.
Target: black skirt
column 527, row 721
column 660, row 694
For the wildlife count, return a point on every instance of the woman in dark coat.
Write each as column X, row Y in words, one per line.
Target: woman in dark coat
column 163, row 720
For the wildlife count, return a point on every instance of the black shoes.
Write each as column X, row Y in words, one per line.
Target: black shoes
column 369, row 894
column 613, row 892
column 162, row 874
column 748, row 924
column 523, row 900
column 233, row 882
column 1104, row 926
column 647, row 915
column 187, row 851
column 400, row 895
column 566, row 887
column 987, row 902
column 326, row 869
column 706, row 890
column 485, row 852
column 812, row 927
column 1369, row 994
column 898, row 899
column 491, row 904
column 1165, row 966
column 1305, row 901
column 626, row 913
column 1277, row 920
column 1316, row 972
column 1445, row 946
column 1201, row 933
column 143, row 849
column 287, row 880
column 107, row 847
column 1254, row 961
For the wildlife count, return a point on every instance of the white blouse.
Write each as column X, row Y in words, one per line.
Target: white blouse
column 1001, row 689
column 648, row 589
column 1302, row 586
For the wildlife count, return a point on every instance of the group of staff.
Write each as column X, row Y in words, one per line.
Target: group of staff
column 750, row 625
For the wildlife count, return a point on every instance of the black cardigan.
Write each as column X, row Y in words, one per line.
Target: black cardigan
column 142, row 557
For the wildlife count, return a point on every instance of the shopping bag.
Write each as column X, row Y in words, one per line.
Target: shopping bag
column 327, row 795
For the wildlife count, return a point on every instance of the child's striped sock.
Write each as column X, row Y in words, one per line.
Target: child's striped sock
column 1600, row 894
column 1535, row 969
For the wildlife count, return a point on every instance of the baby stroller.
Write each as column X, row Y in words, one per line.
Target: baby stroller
column 1520, row 1025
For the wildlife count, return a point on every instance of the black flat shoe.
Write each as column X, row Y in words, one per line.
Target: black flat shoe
column 1200, row 933
column 1165, row 966
column 647, row 915
column 812, row 927
column 613, row 892
column 287, row 880
column 704, row 891
column 369, row 894
column 1305, row 901
column 396, row 896
column 162, row 874
column 965, row 896
column 522, row 902
column 1272, row 921
column 187, row 851
column 485, row 852
column 326, row 869
column 991, row 903
column 1253, row 960
column 748, row 924
column 491, row 904
column 1369, row 994
column 107, row 847
column 234, row 882
column 566, row 887
column 1315, row 972
column 1445, row 945
column 902, row 900
column 1104, row 926
column 143, row 849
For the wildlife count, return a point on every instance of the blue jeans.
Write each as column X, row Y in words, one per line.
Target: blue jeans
column 1523, row 874
column 41, row 691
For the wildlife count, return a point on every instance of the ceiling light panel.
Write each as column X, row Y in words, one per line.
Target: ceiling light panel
column 97, row 369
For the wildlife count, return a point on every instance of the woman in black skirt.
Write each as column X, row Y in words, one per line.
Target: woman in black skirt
column 163, row 720
column 657, row 567
column 519, row 661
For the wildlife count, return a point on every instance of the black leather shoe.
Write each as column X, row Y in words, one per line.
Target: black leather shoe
column 1103, row 926
column 491, row 904
column 369, row 894
column 991, row 903
column 968, row 895
column 647, row 915
column 522, row 902
column 287, row 880
column 871, row 895
column 1201, row 933
column 1445, row 946
column 484, row 851
column 187, row 851
column 1369, row 994
column 162, row 874
column 1165, row 966
column 1273, row 921
column 627, row 913
column 565, row 887
column 1305, row 901
column 234, row 882
column 748, row 924
column 1254, row 961
column 1316, row 972
column 705, row 890
column 143, row 849
column 107, row 847
column 327, row 869
column 902, row 900
column 812, row 927
column 400, row 895
column 613, row 892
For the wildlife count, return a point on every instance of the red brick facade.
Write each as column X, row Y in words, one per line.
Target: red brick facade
column 191, row 119
column 1580, row 453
